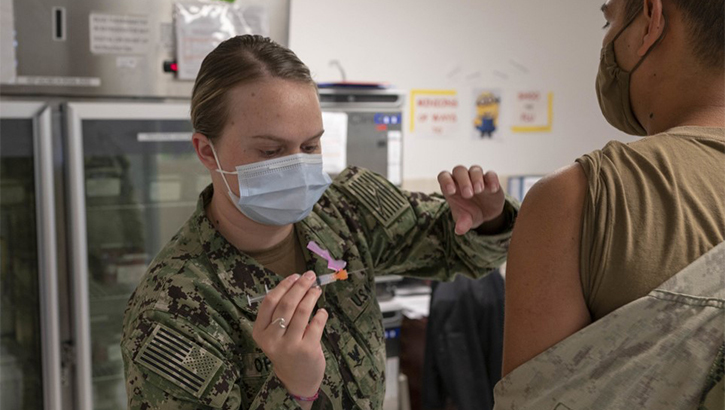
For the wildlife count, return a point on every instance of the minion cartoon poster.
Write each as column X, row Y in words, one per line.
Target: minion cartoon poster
column 487, row 105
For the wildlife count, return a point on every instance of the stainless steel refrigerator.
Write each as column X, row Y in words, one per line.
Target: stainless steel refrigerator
column 133, row 180
column 97, row 173
column 29, row 326
column 129, row 178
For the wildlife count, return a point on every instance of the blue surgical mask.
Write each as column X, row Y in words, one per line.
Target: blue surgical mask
column 279, row 191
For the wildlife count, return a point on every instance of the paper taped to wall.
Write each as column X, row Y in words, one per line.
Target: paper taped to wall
column 201, row 26
column 434, row 113
column 119, row 34
column 334, row 142
column 533, row 111
column 395, row 157
column 487, row 113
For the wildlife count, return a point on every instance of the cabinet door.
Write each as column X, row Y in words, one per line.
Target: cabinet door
column 29, row 335
column 135, row 180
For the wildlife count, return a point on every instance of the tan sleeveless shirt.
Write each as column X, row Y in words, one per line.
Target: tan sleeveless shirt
column 652, row 207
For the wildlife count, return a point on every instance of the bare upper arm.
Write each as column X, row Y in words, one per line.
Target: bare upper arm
column 544, row 300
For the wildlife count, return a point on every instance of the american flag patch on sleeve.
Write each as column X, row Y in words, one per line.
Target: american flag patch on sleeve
column 384, row 203
column 179, row 360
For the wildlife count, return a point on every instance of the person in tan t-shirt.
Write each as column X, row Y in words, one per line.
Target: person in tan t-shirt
column 613, row 226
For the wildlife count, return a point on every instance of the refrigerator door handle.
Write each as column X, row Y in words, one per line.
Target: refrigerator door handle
column 47, row 259
column 79, row 260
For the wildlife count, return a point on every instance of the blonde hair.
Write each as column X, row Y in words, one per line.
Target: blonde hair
column 239, row 60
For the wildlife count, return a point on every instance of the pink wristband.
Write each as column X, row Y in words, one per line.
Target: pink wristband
column 300, row 398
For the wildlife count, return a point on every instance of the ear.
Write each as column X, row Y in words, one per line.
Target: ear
column 655, row 25
column 202, row 145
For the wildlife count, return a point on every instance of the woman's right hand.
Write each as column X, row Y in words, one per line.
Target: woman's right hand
column 295, row 351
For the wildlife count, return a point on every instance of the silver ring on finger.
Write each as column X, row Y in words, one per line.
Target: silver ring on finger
column 281, row 322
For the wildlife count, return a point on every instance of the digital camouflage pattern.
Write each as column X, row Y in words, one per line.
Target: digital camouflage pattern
column 662, row 351
column 713, row 395
column 194, row 298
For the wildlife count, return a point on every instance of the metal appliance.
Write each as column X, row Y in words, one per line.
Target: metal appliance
column 68, row 47
column 96, row 175
column 133, row 180
column 29, row 322
column 130, row 179
column 374, row 127
column 392, row 322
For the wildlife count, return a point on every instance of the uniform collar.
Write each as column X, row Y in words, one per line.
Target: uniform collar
column 243, row 276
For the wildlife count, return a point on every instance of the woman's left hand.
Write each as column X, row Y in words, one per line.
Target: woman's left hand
column 475, row 198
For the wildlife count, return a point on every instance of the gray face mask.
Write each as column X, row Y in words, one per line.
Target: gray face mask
column 279, row 191
column 613, row 88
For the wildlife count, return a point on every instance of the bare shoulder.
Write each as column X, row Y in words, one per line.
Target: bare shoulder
column 569, row 182
column 544, row 300
column 552, row 207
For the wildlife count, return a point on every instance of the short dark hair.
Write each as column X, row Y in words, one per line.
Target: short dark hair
column 704, row 19
column 238, row 60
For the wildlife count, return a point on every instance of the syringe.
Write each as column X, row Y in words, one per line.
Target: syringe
column 321, row 280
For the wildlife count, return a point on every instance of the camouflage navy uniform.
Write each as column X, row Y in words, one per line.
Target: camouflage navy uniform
column 187, row 334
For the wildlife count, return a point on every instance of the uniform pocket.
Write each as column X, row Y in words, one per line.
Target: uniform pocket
column 366, row 366
column 356, row 329
column 256, row 368
column 363, row 350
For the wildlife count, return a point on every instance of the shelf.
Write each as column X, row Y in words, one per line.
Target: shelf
column 111, row 299
column 107, row 405
column 109, row 378
column 99, row 319
column 107, row 369
column 98, row 292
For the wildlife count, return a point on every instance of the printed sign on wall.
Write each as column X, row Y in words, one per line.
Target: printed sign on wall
column 487, row 109
column 533, row 111
column 334, row 142
column 434, row 112
column 119, row 34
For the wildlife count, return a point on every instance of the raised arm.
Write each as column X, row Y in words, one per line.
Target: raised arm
column 408, row 233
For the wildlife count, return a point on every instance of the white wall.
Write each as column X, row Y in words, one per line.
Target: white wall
column 462, row 44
